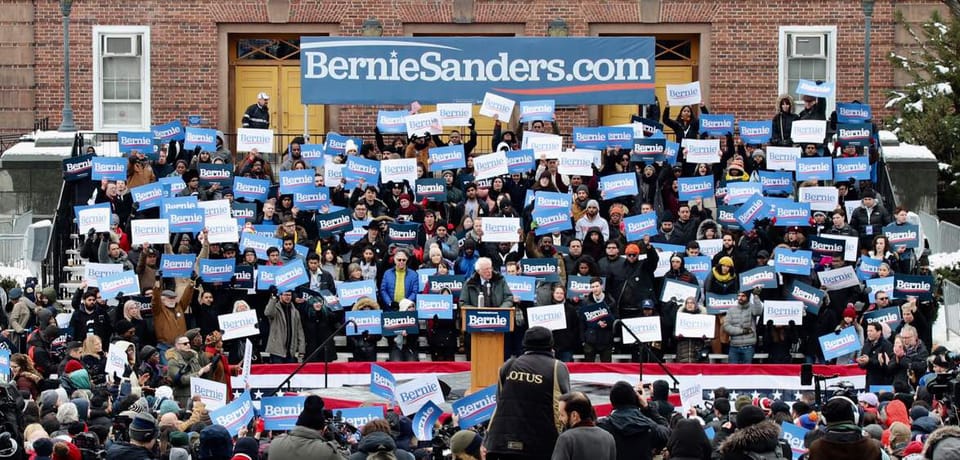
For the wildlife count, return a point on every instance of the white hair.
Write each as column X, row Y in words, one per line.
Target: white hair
column 481, row 261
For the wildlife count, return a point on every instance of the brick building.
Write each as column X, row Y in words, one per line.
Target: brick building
column 140, row 63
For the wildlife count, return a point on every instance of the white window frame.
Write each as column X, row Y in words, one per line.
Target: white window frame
column 782, row 74
column 145, row 106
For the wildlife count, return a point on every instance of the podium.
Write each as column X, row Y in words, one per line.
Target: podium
column 486, row 327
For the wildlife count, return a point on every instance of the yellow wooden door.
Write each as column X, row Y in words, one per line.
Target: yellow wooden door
column 291, row 119
column 484, row 127
column 665, row 75
column 250, row 81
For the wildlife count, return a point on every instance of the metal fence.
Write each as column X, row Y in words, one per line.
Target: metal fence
column 951, row 307
column 13, row 238
column 942, row 236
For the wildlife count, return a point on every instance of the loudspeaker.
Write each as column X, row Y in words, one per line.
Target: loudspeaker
column 806, row 374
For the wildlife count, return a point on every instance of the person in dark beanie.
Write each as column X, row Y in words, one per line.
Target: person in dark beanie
column 143, row 434
column 843, row 437
column 526, row 422
column 755, row 437
column 637, row 429
column 465, row 445
column 246, row 449
column 215, row 443
column 688, row 441
column 306, row 439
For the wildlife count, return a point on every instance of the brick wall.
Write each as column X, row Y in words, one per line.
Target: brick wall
column 744, row 43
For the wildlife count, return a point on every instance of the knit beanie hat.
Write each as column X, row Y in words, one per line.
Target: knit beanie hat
column 749, row 416
column 247, row 446
column 179, row 439
column 168, row 406
column 742, row 401
column 67, row 413
column 72, row 365
column 727, row 261
column 312, row 415
column 143, row 428
column 466, row 442
column 538, row 338
column 850, row 312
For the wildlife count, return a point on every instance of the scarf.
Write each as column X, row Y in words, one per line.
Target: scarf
column 721, row 277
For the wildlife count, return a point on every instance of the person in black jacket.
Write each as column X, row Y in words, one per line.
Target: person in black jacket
column 526, row 422
column 638, row 430
column 783, row 122
column 876, row 354
column 258, row 115
column 596, row 316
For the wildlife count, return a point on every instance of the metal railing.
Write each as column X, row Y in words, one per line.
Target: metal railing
column 943, row 237
column 951, row 307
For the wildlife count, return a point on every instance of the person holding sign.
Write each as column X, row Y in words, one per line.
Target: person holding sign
column 741, row 326
column 455, row 138
column 566, row 341
column 686, row 125
column 688, row 348
column 596, row 316
column 869, row 218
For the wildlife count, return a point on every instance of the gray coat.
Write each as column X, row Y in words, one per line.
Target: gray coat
column 277, row 342
column 303, row 443
column 741, row 317
column 500, row 295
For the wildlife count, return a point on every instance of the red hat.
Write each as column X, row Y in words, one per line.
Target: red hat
column 794, row 229
column 66, row 451
column 73, row 365
column 850, row 312
column 632, row 249
column 915, row 447
column 767, row 405
column 406, row 196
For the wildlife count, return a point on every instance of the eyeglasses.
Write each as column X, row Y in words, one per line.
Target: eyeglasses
column 883, row 298
column 183, row 343
column 632, row 255
column 400, row 260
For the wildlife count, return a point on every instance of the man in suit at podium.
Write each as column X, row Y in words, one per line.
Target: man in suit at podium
column 526, row 422
column 493, row 286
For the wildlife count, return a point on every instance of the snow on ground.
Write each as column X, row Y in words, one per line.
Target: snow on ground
column 944, row 260
column 906, row 151
column 20, row 274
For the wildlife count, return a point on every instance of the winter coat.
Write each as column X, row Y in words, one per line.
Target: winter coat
column 379, row 442
column 639, row 283
column 760, row 441
column 277, row 343
column 783, row 123
column 303, row 443
column 688, row 348
column 590, row 331
column 411, row 284
column 125, row 451
column 500, row 295
column 169, row 323
column 526, row 421
column 876, row 373
column 636, row 435
column 741, row 317
column 844, row 444
column 869, row 225
column 181, row 367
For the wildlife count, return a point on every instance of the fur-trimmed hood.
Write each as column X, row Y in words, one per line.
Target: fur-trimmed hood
column 781, row 98
column 940, row 434
column 704, row 225
column 760, row 438
column 364, row 303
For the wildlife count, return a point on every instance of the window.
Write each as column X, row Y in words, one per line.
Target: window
column 807, row 53
column 121, row 77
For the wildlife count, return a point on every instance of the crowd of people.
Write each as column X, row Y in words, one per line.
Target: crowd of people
column 171, row 333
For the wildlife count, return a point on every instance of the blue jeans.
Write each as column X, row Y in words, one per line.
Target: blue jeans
column 274, row 359
column 565, row 356
column 740, row 355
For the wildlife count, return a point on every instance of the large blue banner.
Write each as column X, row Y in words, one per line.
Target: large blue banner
column 397, row 70
column 476, row 408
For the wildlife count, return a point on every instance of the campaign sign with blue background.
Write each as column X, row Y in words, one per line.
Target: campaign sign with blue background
column 595, row 70
column 177, row 265
column 814, row 168
column 752, row 209
column 334, row 222
column 855, row 167
column 432, row 189
column 266, row 230
column 648, row 150
column 186, row 220
column 125, row 282
column 890, row 315
column 670, row 152
column 172, row 185
column 4, row 363
column 476, row 408
column 362, row 168
column 109, row 168
column 382, row 382
column 790, row 213
column 520, row 161
column 135, row 140
column 392, row 121
column 235, row 415
column 812, row 88
column 313, row 155
column 179, row 203
column 776, row 182
column 398, row 322
column 794, row 435
column 913, row 285
column 764, row 276
column 368, row 321
column 77, row 168
column 265, row 276
column 855, row 134
column 879, row 284
column 359, row 416
column 793, row 262
column 716, row 125
column 259, row 243
column 848, row 112
column 148, row 196
column 618, row 136
column 215, row 174
column 537, row 110
column 589, row 138
column 217, row 270
column 449, row 157
column 551, row 220
column 809, row 295
column 692, row 188
column 243, row 277
column 868, row 266
column 544, row 268
column 739, row 192
column 204, row 138
column 336, row 144
column 280, row 413
column 906, row 235
column 438, row 283
column 250, row 189
column 425, row 419
column 172, row 131
column 756, row 132
column 718, row 304
column 440, row 305
column 488, row 321
column 699, row 266
column 294, row 180
column 639, row 226
column 290, row 276
column 312, row 198
column 352, row 291
column 838, row 344
column 726, row 215
column 617, row 185
column 524, row 287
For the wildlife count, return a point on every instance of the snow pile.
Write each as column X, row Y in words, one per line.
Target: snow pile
column 944, row 260
column 19, row 274
column 906, row 151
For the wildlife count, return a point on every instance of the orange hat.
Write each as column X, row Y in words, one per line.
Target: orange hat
column 632, row 249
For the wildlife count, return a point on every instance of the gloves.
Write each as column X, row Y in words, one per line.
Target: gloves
column 273, row 290
column 473, row 124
